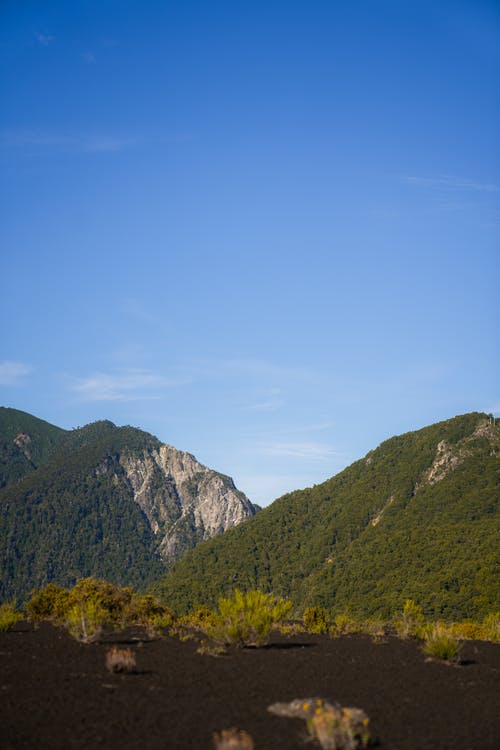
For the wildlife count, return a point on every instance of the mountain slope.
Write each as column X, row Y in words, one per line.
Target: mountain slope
column 26, row 442
column 107, row 501
column 417, row 517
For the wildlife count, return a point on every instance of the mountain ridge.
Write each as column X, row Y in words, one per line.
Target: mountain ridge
column 417, row 517
column 102, row 500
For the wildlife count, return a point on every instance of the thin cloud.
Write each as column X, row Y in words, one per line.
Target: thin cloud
column 11, row 373
column 129, row 385
column 44, row 39
column 450, row 182
column 305, row 450
column 88, row 57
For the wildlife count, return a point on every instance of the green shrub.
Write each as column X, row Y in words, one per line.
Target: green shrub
column 246, row 618
column 344, row 625
column 84, row 621
column 49, row 603
column 9, row 615
column 441, row 643
column 315, row 620
column 412, row 621
column 491, row 627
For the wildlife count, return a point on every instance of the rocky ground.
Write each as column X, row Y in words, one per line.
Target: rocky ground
column 56, row 693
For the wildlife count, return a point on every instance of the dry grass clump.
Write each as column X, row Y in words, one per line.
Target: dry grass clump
column 441, row 643
column 334, row 727
column 120, row 660
column 233, row 739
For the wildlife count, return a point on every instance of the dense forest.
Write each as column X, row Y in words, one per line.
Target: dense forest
column 417, row 517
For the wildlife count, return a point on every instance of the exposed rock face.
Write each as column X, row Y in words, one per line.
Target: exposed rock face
column 449, row 457
column 184, row 501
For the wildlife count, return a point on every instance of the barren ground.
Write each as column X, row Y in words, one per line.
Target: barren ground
column 57, row 694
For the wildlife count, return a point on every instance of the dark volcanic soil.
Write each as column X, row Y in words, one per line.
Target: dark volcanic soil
column 57, row 694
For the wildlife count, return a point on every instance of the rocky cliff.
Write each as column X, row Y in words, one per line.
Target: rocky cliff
column 184, row 501
column 101, row 500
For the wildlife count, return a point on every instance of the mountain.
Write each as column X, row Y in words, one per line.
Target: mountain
column 101, row 500
column 416, row 518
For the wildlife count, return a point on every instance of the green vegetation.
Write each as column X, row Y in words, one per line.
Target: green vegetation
column 246, row 619
column 9, row 615
column 75, row 515
column 315, row 620
column 441, row 643
column 380, row 532
column 91, row 604
column 25, row 444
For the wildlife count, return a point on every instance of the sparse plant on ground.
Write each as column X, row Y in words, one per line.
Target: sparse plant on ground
column 344, row 625
column 441, row 643
column 9, row 615
column 85, row 621
column 334, row 727
column 210, row 649
column 120, row 660
column 374, row 628
column 491, row 627
column 315, row 620
column 233, row 739
column 246, row 618
column 412, row 621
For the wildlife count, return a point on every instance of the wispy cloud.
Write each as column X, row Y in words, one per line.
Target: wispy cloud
column 12, row 372
column 305, row 450
column 450, row 182
column 78, row 142
column 44, row 39
column 88, row 57
column 126, row 385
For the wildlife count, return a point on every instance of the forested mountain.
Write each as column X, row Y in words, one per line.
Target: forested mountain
column 101, row 500
column 417, row 517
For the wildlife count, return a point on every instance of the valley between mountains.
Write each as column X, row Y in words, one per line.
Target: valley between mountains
column 415, row 518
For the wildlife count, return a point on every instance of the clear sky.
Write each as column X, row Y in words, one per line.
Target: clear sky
column 266, row 231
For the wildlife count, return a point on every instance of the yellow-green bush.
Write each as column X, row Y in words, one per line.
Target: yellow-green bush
column 491, row 627
column 48, row 603
column 315, row 620
column 344, row 625
column 9, row 615
column 440, row 642
column 246, row 618
column 411, row 622
column 85, row 621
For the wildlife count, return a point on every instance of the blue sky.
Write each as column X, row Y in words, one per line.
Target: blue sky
column 267, row 231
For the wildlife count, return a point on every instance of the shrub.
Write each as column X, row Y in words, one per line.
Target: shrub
column 198, row 618
column 315, row 620
column 233, row 739
column 491, row 627
column 9, row 615
column 120, row 660
column 343, row 625
column 84, row 621
column 114, row 602
column 441, row 643
column 334, row 727
column 412, row 621
column 246, row 618
column 210, row 649
column 467, row 630
column 48, row 603
column 147, row 611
